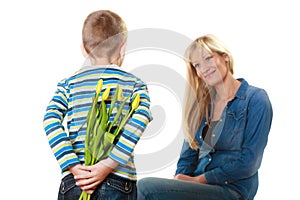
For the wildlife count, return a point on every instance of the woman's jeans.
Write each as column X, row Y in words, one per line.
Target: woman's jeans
column 112, row 188
column 164, row 189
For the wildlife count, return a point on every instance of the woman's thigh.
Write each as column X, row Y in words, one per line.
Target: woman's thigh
column 163, row 189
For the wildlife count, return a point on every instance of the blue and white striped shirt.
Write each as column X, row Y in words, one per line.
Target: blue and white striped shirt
column 73, row 98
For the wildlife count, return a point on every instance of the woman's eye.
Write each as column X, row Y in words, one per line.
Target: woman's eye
column 196, row 65
column 208, row 58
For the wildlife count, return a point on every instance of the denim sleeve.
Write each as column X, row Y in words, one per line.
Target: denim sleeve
column 259, row 119
column 187, row 161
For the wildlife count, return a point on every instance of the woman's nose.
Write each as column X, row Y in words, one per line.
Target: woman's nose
column 204, row 68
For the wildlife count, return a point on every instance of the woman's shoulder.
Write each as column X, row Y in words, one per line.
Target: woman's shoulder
column 254, row 93
column 251, row 89
column 258, row 95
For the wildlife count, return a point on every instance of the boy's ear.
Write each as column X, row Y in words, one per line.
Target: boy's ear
column 122, row 50
column 84, row 53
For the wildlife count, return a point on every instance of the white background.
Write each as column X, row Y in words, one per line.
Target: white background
column 40, row 45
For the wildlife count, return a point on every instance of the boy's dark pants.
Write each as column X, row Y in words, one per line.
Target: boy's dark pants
column 112, row 188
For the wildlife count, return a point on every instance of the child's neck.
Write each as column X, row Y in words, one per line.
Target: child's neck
column 101, row 61
column 106, row 61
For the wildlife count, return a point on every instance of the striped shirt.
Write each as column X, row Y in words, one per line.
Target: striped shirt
column 73, row 99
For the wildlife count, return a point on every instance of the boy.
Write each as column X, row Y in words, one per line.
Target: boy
column 104, row 37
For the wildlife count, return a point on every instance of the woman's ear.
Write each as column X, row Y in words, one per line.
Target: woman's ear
column 225, row 56
column 84, row 53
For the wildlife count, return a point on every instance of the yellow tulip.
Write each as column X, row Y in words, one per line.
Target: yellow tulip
column 120, row 94
column 134, row 106
column 105, row 94
column 99, row 86
column 99, row 140
column 135, row 102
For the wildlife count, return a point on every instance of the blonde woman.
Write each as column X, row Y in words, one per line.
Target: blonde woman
column 226, row 122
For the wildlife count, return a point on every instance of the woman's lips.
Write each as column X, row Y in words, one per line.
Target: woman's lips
column 208, row 75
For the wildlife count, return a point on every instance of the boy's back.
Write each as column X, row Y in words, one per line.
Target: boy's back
column 73, row 99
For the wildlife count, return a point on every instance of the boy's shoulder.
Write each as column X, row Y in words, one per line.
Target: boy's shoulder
column 103, row 71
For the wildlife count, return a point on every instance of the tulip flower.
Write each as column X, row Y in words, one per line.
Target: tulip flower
column 99, row 140
column 99, row 86
column 105, row 94
column 135, row 102
column 134, row 106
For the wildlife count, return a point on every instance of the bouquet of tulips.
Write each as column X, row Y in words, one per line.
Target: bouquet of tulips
column 100, row 137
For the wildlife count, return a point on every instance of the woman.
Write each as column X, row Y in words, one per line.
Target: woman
column 226, row 122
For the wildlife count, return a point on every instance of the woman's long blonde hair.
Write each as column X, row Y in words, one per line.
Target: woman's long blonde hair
column 198, row 95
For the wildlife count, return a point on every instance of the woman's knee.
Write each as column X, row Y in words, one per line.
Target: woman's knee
column 147, row 186
column 146, row 183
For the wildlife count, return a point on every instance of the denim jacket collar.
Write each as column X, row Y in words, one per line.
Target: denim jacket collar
column 241, row 93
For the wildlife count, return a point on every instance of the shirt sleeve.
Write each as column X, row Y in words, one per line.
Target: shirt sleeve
column 57, row 137
column 256, row 133
column 187, row 161
column 134, row 127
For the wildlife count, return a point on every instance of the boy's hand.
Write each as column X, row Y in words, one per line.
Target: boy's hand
column 78, row 170
column 88, row 182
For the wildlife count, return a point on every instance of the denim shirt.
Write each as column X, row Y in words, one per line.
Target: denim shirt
column 237, row 143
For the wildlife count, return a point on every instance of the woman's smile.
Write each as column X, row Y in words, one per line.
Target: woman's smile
column 209, row 74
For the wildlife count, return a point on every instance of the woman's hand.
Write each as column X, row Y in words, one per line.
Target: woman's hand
column 197, row 179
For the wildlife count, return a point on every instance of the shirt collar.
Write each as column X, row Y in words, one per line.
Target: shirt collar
column 102, row 66
column 241, row 93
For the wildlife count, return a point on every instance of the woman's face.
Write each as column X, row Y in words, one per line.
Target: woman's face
column 211, row 68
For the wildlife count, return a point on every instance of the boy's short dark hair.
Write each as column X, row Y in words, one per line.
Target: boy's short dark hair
column 103, row 32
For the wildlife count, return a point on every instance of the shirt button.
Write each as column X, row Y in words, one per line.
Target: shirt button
column 209, row 159
column 226, row 182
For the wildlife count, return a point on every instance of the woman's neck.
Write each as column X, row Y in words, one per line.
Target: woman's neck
column 224, row 93
column 227, row 89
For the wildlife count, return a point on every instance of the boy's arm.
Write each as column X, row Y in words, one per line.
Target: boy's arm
column 57, row 137
column 134, row 127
